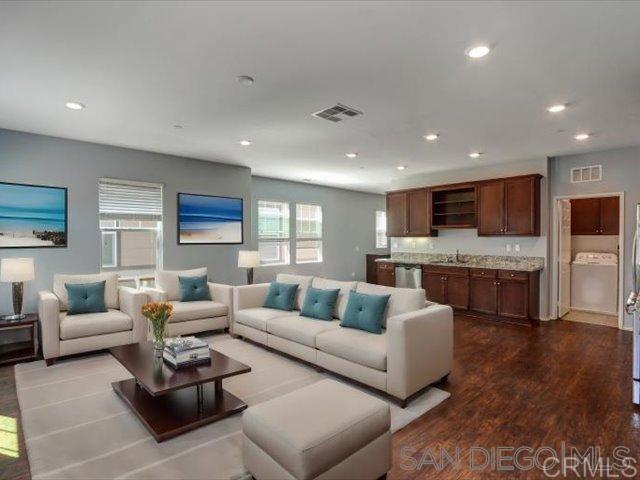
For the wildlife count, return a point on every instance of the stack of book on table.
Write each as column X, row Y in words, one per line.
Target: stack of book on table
column 185, row 352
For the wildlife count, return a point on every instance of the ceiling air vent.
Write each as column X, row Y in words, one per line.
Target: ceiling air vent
column 586, row 174
column 337, row 113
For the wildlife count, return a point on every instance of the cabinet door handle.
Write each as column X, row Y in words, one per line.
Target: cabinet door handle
column 513, row 275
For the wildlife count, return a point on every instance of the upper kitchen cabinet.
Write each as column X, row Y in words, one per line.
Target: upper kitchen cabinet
column 595, row 216
column 453, row 206
column 509, row 206
column 408, row 213
column 396, row 214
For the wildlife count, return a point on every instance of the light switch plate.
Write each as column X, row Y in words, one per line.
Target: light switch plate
column 517, row 247
column 508, row 247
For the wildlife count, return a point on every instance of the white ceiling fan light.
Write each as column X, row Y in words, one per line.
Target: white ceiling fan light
column 581, row 137
column 75, row 105
column 245, row 143
column 478, row 51
column 401, row 167
column 475, row 154
column 432, row 137
column 351, row 154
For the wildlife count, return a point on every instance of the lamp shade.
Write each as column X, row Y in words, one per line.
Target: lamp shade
column 248, row 259
column 17, row 270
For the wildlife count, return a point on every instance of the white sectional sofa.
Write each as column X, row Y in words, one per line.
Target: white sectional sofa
column 414, row 351
column 191, row 317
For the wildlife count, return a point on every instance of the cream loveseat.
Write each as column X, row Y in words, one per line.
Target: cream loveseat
column 414, row 351
column 64, row 334
column 191, row 317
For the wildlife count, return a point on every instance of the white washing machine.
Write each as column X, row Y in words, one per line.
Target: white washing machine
column 594, row 282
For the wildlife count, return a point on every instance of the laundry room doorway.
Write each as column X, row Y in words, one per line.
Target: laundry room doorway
column 589, row 258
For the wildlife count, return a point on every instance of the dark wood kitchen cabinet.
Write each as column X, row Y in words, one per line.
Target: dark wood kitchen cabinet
column 396, row 214
column 504, row 295
column 483, row 291
column 418, row 208
column 372, row 266
column 509, row 206
column 447, row 285
column 408, row 213
column 386, row 274
column 595, row 216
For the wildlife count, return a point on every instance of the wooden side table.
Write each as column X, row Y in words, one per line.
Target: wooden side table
column 22, row 349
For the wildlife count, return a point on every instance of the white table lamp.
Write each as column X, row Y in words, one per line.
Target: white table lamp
column 249, row 259
column 16, row 271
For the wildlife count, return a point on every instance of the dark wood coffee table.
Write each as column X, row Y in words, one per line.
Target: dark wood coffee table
column 161, row 397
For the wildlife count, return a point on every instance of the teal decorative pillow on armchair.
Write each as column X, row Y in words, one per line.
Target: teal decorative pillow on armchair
column 85, row 297
column 193, row 289
column 281, row 296
column 365, row 312
column 319, row 303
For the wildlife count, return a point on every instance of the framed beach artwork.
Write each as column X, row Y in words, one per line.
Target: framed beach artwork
column 206, row 219
column 32, row 216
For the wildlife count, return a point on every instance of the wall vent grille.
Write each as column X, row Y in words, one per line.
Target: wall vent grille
column 337, row 113
column 592, row 173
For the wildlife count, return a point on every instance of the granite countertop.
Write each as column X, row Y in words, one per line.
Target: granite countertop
column 523, row 264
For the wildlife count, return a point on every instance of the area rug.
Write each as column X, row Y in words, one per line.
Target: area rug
column 75, row 427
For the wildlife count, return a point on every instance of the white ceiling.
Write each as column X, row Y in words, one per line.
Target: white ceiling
column 142, row 67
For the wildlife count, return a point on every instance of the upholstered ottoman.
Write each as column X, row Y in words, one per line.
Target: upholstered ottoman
column 326, row 430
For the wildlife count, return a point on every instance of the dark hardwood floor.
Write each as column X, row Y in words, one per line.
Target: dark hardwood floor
column 515, row 386
column 511, row 386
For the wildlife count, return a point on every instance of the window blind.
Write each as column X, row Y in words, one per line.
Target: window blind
column 126, row 200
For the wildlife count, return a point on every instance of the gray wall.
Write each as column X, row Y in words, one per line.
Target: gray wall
column 348, row 227
column 37, row 159
column 620, row 173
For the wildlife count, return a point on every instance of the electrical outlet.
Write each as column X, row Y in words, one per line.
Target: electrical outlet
column 353, row 274
column 517, row 247
column 432, row 246
column 508, row 247
column 357, row 248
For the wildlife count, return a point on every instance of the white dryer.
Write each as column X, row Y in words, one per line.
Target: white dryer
column 594, row 282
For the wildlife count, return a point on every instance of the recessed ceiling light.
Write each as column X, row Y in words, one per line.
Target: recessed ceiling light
column 245, row 143
column 74, row 105
column 178, row 127
column 556, row 108
column 352, row 154
column 401, row 167
column 432, row 137
column 475, row 154
column 245, row 80
column 478, row 51
column 582, row 136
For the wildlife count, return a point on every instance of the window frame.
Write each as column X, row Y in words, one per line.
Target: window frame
column 386, row 241
column 319, row 239
column 116, row 229
column 275, row 240
column 114, row 250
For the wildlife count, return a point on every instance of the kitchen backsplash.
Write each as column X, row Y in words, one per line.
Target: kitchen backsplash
column 468, row 242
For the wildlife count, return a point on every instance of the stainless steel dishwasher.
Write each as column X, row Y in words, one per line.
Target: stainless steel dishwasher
column 408, row 276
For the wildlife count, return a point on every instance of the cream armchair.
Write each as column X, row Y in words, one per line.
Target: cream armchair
column 64, row 334
column 192, row 317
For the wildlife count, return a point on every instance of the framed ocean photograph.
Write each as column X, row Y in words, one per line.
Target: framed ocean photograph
column 32, row 216
column 206, row 219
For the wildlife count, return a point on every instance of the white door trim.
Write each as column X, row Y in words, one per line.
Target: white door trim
column 555, row 271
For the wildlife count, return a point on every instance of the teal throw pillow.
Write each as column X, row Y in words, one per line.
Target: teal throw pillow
column 365, row 312
column 319, row 303
column 85, row 298
column 193, row 289
column 281, row 296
